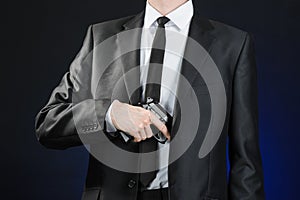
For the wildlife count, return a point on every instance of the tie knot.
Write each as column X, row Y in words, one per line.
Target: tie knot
column 162, row 21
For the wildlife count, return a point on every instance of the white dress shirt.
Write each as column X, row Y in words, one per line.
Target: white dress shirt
column 179, row 23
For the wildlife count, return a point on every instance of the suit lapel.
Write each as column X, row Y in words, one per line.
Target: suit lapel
column 131, row 60
column 200, row 32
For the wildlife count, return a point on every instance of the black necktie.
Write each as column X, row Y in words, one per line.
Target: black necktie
column 153, row 91
column 156, row 60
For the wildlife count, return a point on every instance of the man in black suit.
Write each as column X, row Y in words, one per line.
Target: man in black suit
column 98, row 102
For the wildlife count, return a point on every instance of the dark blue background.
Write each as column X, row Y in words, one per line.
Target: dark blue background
column 40, row 39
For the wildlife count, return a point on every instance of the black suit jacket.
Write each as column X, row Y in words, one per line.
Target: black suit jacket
column 77, row 107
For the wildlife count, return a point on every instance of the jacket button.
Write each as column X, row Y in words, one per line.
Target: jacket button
column 131, row 183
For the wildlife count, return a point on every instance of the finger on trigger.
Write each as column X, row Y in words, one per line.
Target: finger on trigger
column 160, row 125
column 165, row 131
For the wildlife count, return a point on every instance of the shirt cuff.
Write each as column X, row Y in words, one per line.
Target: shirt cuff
column 110, row 128
column 109, row 125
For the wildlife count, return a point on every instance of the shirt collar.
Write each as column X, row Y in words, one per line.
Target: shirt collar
column 181, row 16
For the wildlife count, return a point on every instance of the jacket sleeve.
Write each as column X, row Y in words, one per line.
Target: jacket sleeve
column 71, row 115
column 246, row 176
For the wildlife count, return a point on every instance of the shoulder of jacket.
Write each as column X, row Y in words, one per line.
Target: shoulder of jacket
column 111, row 24
column 106, row 29
column 229, row 35
column 227, row 29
